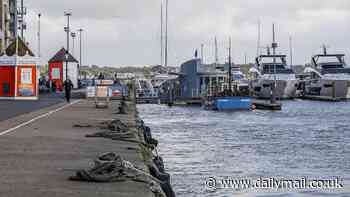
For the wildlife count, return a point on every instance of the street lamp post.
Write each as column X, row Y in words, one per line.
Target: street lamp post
column 39, row 32
column 22, row 20
column 80, row 55
column 67, row 29
column 73, row 34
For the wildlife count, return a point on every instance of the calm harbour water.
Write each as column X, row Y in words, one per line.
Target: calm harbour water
column 306, row 139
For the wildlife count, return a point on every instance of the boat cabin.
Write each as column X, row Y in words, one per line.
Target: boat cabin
column 330, row 64
column 198, row 79
column 273, row 64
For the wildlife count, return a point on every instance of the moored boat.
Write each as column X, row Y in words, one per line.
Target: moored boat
column 229, row 103
column 273, row 73
column 272, row 77
column 328, row 77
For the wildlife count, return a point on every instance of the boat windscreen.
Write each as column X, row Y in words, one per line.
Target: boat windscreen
column 280, row 69
column 329, row 59
column 332, row 66
column 336, row 71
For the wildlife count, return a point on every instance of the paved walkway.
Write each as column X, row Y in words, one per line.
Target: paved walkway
column 38, row 157
column 10, row 109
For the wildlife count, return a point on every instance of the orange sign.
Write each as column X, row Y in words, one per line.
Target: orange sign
column 26, row 81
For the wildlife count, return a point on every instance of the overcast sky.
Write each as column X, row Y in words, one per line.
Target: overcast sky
column 127, row 32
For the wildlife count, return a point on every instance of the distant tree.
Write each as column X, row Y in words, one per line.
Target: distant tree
column 44, row 70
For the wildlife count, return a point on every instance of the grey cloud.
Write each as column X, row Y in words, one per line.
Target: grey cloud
column 126, row 32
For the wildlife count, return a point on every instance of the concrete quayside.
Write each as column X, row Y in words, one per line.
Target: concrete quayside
column 78, row 150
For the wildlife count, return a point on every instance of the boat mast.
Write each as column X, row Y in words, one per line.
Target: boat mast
column 202, row 53
column 259, row 39
column 274, row 43
column 216, row 52
column 324, row 49
column 274, row 46
column 161, row 35
column 230, row 66
column 291, row 50
column 166, row 33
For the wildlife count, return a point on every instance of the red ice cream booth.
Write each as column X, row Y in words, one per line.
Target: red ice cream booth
column 19, row 75
column 57, row 69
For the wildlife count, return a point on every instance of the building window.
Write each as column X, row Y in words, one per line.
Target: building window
column 207, row 81
column 214, row 82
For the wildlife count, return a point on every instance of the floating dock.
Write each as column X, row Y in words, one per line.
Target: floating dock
column 323, row 98
column 259, row 104
column 148, row 100
column 266, row 105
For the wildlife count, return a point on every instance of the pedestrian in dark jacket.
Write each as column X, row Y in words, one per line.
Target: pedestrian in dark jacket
column 68, row 86
column 53, row 86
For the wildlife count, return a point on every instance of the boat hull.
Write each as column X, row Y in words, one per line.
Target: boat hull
column 232, row 103
column 328, row 88
column 285, row 89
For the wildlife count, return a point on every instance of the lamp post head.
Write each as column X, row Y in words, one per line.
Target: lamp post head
column 39, row 15
column 73, row 34
column 67, row 13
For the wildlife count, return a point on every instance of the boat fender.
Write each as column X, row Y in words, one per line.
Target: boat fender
column 253, row 107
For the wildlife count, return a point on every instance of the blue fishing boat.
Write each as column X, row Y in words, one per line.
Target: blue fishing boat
column 232, row 98
column 230, row 103
column 233, row 103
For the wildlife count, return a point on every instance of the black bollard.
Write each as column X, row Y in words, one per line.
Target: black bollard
column 158, row 161
column 122, row 108
column 164, row 178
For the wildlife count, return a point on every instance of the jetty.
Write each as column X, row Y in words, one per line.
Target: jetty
column 266, row 105
column 47, row 152
column 322, row 98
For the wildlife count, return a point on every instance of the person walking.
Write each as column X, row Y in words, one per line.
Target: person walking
column 53, row 86
column 68, row 86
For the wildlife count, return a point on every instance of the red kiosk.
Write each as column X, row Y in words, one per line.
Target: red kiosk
column 57, row 69
column 19, row 73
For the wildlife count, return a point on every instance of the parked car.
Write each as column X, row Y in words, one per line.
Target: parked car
column 116, row 93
